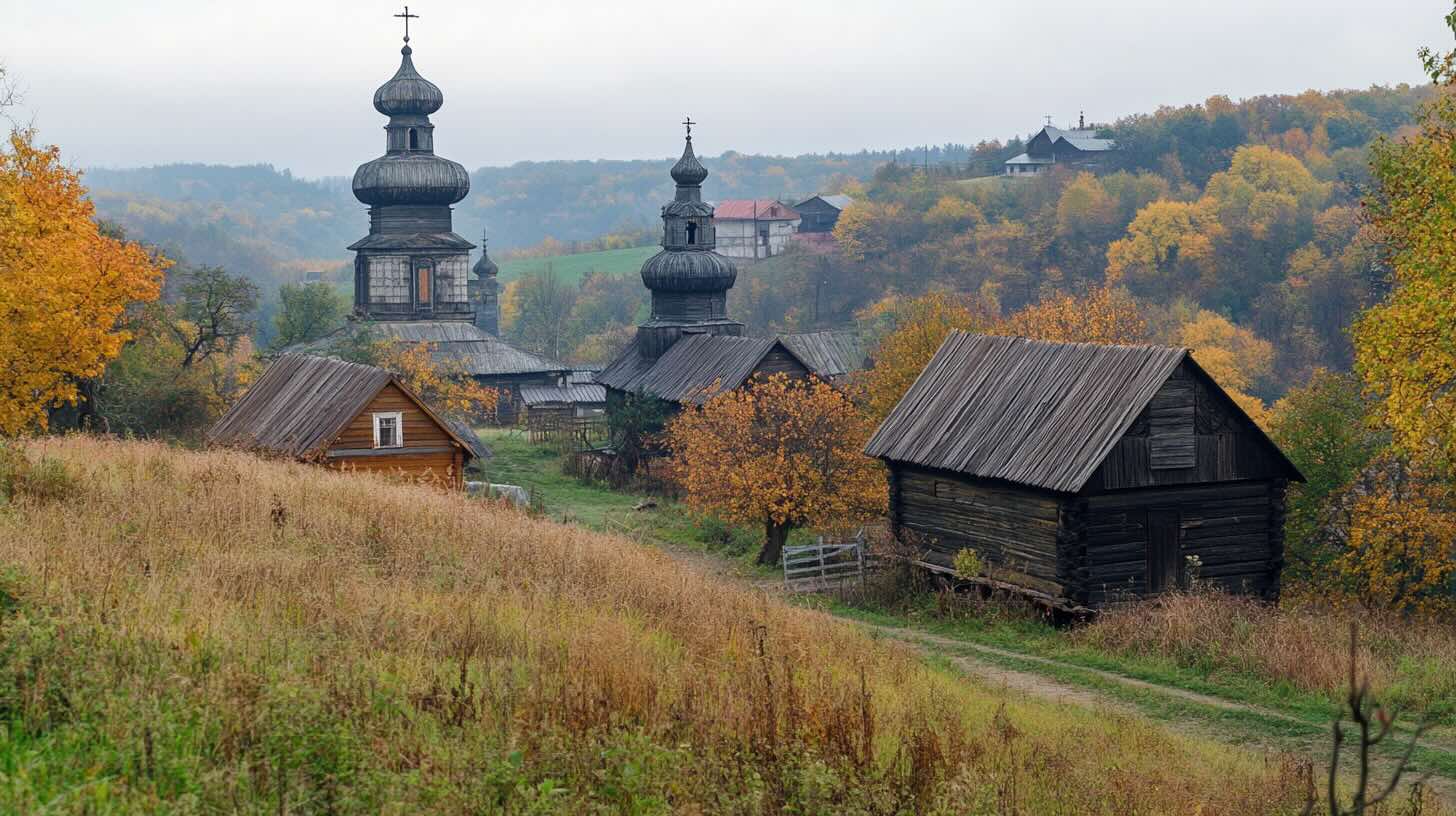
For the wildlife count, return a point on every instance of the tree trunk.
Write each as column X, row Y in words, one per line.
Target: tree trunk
column 774, row 536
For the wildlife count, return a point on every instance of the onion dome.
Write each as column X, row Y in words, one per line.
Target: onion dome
column 485, row 267
column 408, row 93
column 678, row 271
column 411, row 178
column 689, row 172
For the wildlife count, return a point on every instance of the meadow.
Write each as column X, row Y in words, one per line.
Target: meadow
column 570, row 269
column 203, row 632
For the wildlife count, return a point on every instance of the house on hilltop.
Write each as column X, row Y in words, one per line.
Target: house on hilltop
column 1052, row 146
column 821, row 212
column 754, row 229
column 346, row 415
column 1082, row 473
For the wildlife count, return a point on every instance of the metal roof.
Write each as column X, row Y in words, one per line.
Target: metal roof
column 1027, row 411
column 837, row 201
column 302, row 402
column 694, row 369
column 747, row 209
column 830, row 354
column 1027, row 158
column 588, row 394
column 1089, row 143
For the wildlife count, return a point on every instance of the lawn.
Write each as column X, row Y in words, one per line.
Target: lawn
column 572, row 268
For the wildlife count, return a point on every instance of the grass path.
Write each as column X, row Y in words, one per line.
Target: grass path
column 1222, row 719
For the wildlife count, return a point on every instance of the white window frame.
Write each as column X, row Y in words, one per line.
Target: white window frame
column 398, row 418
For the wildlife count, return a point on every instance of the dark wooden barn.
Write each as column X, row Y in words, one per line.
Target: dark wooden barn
column 1083, row 473
column 346, row 415
column 699, row 366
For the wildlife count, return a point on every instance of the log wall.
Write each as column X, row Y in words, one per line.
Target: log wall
column 1013, row 530
column 428, row 451
column 1234, row 528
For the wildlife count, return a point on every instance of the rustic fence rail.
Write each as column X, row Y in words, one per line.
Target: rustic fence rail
column 821, row 565
column 554, row 428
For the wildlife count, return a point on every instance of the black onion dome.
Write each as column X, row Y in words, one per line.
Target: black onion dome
column 688, row 272
column 408, row 93
column 689, row 172
column 485, row 267
column 411, row 178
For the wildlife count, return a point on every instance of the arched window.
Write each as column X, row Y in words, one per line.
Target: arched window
column 692, row 233
column 414, row 139
column 423, row 284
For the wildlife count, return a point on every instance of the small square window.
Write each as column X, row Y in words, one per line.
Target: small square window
column 388, row 430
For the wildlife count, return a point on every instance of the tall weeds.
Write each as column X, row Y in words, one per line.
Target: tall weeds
column 213, row 632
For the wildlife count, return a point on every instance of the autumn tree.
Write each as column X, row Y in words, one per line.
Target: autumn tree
column 1169, row 246
column 911, row 330
column 1102, row 315
column 783, row 453
column 442, row 382
column 64, row 285
column 307, row 311
column 1406, row 346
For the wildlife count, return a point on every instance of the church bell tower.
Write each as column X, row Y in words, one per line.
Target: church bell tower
column 411, row 265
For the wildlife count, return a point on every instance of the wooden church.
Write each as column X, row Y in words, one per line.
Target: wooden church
column 1084, row 474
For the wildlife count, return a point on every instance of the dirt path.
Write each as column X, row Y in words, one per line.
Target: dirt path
column 982, row 664
column 988, row 664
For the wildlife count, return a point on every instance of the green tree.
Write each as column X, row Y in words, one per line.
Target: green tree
column 213, row 312
column 307, row 311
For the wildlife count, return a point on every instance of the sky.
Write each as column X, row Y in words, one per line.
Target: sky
column 289, row 84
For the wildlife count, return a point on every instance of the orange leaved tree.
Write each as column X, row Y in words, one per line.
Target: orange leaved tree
column 781, row 452
column 917, row 328
column 442, row 383
column 63, row 285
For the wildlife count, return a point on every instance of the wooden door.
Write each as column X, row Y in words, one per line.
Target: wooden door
column 1165, row 556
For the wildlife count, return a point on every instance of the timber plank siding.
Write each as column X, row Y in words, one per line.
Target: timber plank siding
column 1090, row 474
column 319, row 409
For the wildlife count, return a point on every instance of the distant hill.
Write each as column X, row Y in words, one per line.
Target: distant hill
column 276, row 227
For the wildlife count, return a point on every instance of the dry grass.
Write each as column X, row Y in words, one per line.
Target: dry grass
column 210, row 632
column 1411, row 664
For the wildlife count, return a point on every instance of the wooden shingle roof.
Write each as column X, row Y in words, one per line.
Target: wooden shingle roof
column 301, row 403
column 1026, row 411
column 830, row 354
column 694, row 369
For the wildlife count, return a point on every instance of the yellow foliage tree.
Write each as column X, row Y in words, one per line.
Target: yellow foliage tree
column 1397, row 525
column 916, row 328
column 1103, row 315
column 781, row 452
column 1234, row 356
column 1168, row 244
column 443, row 383
column 64, row 286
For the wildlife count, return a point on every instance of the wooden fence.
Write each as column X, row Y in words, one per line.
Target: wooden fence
column 551, row 427
column 822, row 565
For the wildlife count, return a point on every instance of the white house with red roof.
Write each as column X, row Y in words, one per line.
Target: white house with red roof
column 754, row 229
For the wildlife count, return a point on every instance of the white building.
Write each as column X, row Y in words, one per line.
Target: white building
column 754, row 229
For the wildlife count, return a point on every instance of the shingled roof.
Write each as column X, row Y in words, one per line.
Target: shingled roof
column 694, row 369
column 479, row 352
column 1027, row 411
column 302, row 403
column 830, row 354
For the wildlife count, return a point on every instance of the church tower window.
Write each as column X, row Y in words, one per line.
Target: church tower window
column 692, row 233
column 423, row 284
column 414, row 139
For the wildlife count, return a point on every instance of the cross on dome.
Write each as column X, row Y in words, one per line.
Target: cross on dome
column 407, row 17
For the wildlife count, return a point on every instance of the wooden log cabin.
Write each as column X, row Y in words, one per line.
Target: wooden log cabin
column 1084, row 474
column 347, row 416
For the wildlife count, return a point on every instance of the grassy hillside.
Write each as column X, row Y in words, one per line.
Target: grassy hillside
column 210, row 632
column 572, row 268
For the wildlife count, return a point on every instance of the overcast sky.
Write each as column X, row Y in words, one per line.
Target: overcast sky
column 124, row 84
